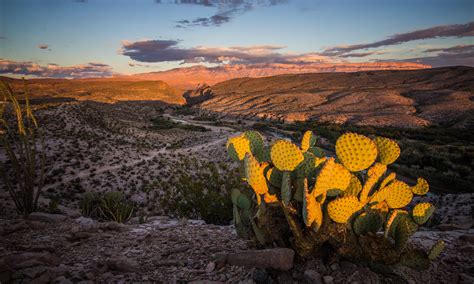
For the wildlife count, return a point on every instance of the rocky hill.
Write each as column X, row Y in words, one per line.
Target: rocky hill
column 408, row 98
column 101, row 90
column 190, row 77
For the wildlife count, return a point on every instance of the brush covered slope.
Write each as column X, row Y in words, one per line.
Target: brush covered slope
column 100, row 90
column 408, row 98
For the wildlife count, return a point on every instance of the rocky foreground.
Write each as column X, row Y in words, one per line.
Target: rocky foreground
column 69, row 248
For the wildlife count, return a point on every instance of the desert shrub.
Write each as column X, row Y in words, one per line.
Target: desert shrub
column 161, row 123
column 353, row 206
column 23, row 145
column 112, row 206
column 203, row 195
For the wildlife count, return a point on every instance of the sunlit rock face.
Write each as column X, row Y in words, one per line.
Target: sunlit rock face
column 408, row 98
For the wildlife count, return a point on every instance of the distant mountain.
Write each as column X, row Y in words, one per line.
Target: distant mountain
column 408, row 98
column 190, row 77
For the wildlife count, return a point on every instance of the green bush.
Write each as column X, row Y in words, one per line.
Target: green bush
column 112, row 206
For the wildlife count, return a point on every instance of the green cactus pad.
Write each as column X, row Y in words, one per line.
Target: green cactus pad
column 422, row 212
column 354, row 188
column 404, row 229
column 388, row 150
column 274, row 176
column 421, row 188
column 237, row 147
column 256, row 141
column 374, row 174
column 367, row 222
column 356, row 152
column 341, row 209
column 317, row 152
column 286, row 188
column 415, row 259
column 392, row 221
column 331, row 176
column 254, row 174
column 308, row 140
column 306, row 167
column 436, row 250
column 285, row 155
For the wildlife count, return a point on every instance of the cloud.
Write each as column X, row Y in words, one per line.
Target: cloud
column 448, row 56
column 168, row 50
column 43, row 46
column 458, row 30
column 225, row 10
column 360, row 54
column 3, row 37
column 54, row 70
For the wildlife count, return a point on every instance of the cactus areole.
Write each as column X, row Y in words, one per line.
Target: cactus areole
column 297, row 197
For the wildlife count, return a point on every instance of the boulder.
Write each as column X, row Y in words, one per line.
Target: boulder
column 202, row 93
column 46, row 217
column 122, row 264
column 277, row 258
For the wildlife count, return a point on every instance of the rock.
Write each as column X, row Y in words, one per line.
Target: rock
column 278, row 258
column 44, row 278
column 201, row 93
column 30, row 259
column 453, row 227
column 210, row 267
column 76, row 236
column 122, row 264
column 467, row 238
column 85, row 222
column 46, row 217
column 14, row 228
column 33, row 272
column 166, row 262
column 5, row 272
column 328, row 279
column 69, row 212
column 312, row 276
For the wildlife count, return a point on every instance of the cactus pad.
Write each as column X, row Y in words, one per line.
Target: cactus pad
column 341, row 209
column 354, row 188
column 308, row 140
column 388, row 179
column 415, row 259
column 256, row 141
column 305, row 167
column 404, row 229
column 285, row 155
column 436, row 250
column 399, row 194
column 286, row 188
column 331, row 176
column 237, row 147
column 421, row 188
column 422, row 212
column 274, row 176
column 356, row 152
column 388, row 150
column 374, row 174
column 254, row 174
column 367, row 222
column 311, row 209
column 392, row 221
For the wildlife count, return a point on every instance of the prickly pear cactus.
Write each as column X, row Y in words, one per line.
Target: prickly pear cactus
column 351, row 202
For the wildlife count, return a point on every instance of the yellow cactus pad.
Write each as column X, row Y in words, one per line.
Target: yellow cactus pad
column 374, row 174
column 312, row 209
column 354, row 188
column 391, row 177
column 356, row 152
column 421, row 188
column 254, row 174
column 331, row 176
column 270, row 198
column 240, row 145
column 399, row 194
column 285, row 155
column 319, row 161
column 388, row 150
column 341, row 209
column 422, row 212
column 307, row 141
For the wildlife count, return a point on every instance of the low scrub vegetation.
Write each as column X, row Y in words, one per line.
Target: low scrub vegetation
column 163, row 123
column 111, row 206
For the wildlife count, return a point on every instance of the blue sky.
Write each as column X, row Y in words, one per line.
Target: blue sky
column 128, row 36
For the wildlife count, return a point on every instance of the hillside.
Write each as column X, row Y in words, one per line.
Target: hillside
column 100, row 90
column 441, row 96
column 190, row 77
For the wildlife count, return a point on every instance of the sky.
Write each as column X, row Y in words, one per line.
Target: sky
column 93, row 38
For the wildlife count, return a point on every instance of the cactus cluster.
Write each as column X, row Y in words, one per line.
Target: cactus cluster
column 298, row 197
